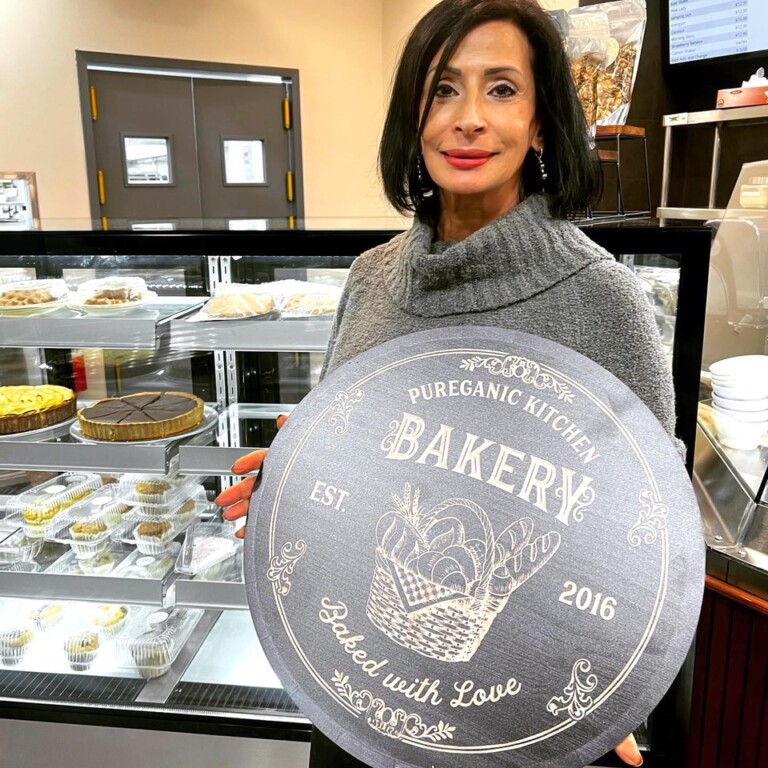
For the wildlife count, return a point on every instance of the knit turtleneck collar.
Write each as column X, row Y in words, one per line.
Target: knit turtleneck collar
column 520, row 254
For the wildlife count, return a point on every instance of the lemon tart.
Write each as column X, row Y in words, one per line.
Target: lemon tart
column 24, row 408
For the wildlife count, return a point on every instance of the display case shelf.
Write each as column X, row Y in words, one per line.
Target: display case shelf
column 64, row 328
column 193, row 593
column 216, row 459
column 103, row 589
column 252, row 335
column 66, row 455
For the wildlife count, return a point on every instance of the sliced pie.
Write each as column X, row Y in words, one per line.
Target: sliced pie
column 143, row 416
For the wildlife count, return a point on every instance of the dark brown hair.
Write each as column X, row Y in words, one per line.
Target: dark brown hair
column 573, row 175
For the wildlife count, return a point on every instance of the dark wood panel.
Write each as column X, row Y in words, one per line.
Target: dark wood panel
column 729, row 713
column 754, row 694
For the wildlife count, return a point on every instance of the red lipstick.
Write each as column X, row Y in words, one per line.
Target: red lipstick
column 467, row 159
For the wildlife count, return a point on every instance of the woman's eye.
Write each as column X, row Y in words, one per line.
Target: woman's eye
column 504, row 90
column 444, row 89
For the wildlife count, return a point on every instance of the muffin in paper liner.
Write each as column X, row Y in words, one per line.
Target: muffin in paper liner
column 89, row 536
column 46, row 615
column 81, row 650
column 154, row 536
column 13, row 644
column 110, row 619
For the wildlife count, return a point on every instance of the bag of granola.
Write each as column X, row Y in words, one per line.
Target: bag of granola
column 587, row 49
column 626, row 22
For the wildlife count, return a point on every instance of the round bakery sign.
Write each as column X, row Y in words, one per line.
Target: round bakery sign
column 473, row 544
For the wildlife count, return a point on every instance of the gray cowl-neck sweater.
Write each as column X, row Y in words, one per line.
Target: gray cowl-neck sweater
column 526, row 271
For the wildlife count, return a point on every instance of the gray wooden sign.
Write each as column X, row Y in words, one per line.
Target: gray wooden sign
column 474, row 547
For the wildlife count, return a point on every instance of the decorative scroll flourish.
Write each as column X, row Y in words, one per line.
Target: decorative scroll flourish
column 281, row 566
column 575, row 699
column 342, row 407
column 395, row 723
column 653, row 519
column 514, row 367
column 584, row 499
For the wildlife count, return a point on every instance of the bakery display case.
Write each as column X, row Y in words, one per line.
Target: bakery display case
column 732, row 440
column 122, row 603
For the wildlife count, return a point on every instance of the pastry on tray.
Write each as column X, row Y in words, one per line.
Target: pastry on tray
column 112, row 292
column 32, row 293
column 234, row 305
column 311, row 304
column 23, row 408
column 47, row 615
column 143, row 416
column 110, row 619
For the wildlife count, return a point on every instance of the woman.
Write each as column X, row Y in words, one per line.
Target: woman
column 486, row 143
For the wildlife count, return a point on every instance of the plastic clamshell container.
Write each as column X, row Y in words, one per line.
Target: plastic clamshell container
column 17, row 547
column 154, row 536
column 39, row 506
column 140, row 566
column 28, row 294
column 111, row 291
column 27, row 567
column 106, row 501
column 192, row 500
column 102, row 564
column 157, row 494
column 206, row 545
column 151, row 649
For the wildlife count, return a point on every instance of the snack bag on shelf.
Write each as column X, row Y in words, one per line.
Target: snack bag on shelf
column 626, row 22
column 587, row 48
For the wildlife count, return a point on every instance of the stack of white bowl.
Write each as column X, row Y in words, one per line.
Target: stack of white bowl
column 740, row 400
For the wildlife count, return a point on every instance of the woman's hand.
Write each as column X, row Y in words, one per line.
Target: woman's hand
column 237, row 498
column 627, row 750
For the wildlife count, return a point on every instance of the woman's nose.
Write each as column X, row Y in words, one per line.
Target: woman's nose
column 471, row 118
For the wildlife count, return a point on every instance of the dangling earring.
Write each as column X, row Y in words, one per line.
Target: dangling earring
column 542, row 167
column 424, row 190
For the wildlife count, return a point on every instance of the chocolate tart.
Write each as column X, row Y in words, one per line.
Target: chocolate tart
column 24, row 408
column 143, row 416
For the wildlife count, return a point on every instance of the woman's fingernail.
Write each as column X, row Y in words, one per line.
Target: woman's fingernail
column 637, row 765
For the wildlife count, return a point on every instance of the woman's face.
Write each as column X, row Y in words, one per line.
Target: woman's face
column 483, row 119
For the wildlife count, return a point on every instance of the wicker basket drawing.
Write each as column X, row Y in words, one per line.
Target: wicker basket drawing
column 447, row 618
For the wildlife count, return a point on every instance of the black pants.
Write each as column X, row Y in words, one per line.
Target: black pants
column 323, row 753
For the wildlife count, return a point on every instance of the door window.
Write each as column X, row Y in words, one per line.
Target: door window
column 147, row 160
column 243, row 161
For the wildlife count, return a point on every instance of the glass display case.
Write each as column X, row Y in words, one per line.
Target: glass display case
column 126, row 608
column 732, row 442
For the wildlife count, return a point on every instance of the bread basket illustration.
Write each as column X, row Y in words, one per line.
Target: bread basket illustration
column 436, row 589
